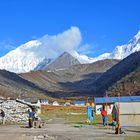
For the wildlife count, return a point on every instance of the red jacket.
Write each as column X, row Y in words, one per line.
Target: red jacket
column 104, row 113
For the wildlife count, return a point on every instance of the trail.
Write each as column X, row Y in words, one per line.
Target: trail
column 57, row 129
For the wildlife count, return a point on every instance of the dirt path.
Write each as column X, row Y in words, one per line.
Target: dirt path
column 57, row 121
column 58, row 130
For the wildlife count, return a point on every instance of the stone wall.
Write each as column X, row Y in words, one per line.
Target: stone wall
column 14, row 112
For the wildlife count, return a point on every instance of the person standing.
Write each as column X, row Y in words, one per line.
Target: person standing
column 92, row 105
column 89, row 113
column 104, row 116
column 31, row 115
column 3, row 116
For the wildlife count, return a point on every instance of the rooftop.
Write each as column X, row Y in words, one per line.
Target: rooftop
column 116, row 99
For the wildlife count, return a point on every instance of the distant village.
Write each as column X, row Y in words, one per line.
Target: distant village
column 16, row 110
column 128, row 106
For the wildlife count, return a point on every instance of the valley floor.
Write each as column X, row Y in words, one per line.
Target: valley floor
column 57, row 129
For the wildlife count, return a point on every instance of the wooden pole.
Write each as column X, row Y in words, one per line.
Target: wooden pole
column 106, row 109
column 118, row 112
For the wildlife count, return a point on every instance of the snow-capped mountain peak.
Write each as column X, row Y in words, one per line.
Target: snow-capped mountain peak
column 46, row 49
column 120, row 52
column 28, row 56
column 137, row 36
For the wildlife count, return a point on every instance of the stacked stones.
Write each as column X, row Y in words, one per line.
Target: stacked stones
column 14, row 112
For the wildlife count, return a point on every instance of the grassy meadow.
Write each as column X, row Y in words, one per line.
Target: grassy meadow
column 70, row 114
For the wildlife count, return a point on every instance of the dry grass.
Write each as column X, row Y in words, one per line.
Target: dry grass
column 70, row 114
column 49, row 112
column 51, row 109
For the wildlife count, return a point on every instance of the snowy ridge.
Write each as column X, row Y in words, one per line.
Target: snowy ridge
column 28, row 56
column 21, row 60
column 120, row 52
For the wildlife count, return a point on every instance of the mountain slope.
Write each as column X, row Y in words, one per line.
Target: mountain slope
column 71, row 81
column 64, row 61
column 12, row 85
column 44, row 84
column 43, row 65
column 127, row 66
column 81, row 71
column 127, row 86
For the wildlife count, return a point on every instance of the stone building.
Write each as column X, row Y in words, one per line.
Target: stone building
column 15, row 112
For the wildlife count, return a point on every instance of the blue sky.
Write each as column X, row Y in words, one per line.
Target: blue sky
column 103, row 24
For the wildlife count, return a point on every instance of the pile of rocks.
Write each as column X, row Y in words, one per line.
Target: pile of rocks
column 15, row 112
column 44, row 137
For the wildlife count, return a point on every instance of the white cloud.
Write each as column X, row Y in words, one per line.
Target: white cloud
column 27, row 56
column 84, row 49
column 52, row 46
